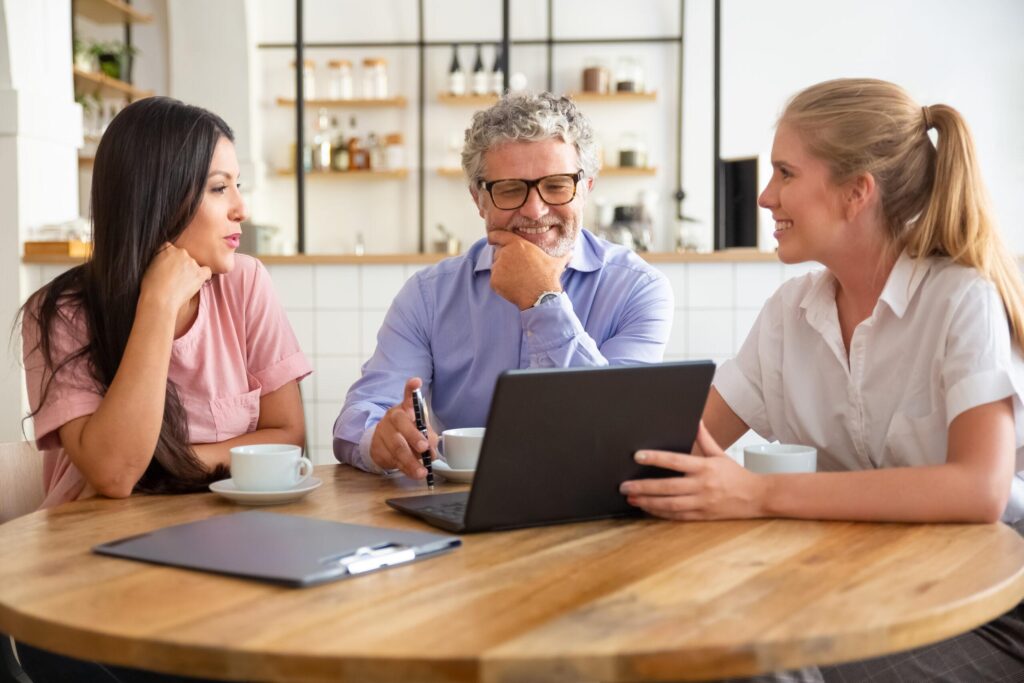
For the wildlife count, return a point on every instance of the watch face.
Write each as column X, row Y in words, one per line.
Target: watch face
column 546, row 297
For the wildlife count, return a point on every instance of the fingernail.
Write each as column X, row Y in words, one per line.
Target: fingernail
column 624, row 488
column 640, row 456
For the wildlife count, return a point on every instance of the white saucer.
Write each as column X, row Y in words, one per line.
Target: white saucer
column 227, row 488
column 464, row 476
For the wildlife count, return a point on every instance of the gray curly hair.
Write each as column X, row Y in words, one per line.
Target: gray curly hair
column 528, row 117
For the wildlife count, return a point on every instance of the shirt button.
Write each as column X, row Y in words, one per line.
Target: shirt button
column 529, row 333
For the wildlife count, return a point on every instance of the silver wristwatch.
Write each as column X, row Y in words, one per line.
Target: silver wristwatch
column 545, row 297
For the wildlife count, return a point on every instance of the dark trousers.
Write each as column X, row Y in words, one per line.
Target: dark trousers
column 43, row 666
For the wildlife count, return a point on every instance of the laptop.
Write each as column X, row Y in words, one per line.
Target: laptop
column 559, row 442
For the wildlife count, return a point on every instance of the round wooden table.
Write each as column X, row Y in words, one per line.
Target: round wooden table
column 614, row 600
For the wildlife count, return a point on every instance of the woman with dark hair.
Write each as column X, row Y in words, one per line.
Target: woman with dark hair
column 147, row 363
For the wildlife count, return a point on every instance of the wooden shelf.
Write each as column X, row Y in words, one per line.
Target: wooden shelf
column 66, row 248
column 629, row 170
column 109, row 12
column 451, row 172
column 92, row 81
column 614, row 96
column 397, row 101
column 448, row 98
column 86, row 162
column 351, row 175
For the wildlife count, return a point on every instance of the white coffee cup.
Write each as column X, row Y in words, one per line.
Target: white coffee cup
column 461, row 447
column 268, row 467
column 780, row 458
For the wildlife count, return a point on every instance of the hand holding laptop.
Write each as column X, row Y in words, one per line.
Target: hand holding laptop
column 397, row 443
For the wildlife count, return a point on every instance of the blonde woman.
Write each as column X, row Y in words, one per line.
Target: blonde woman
column 900, row 361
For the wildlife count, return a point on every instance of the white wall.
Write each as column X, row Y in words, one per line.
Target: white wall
column 40, row 130
column 969, row 55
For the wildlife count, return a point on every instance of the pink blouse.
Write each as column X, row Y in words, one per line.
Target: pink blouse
column 239, row 348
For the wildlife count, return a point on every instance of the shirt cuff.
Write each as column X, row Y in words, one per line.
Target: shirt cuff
column 366, row 462
column 549, row 325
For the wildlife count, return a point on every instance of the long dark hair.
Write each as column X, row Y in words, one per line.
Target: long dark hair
column 148, row 180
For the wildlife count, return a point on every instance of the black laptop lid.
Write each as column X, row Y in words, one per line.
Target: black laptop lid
column 559, row 442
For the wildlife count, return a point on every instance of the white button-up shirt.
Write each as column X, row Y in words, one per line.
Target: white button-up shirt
column 937, row 344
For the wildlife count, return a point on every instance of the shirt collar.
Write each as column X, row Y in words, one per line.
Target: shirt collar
column 585, row 256
column 904, row 279
column 903, row 282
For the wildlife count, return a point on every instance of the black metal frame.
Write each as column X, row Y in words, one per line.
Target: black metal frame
column 421, row 44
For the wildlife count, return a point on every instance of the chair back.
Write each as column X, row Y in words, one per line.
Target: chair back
column 21, row 479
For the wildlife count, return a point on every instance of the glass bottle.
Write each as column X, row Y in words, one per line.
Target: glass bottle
column 497, row 73
column 375, row 78
column 339, row 149
column 308, row 79
column 481, row 82
column 456, row 76
column 340, row 82
column 358, row 156
column 322, row 143
column 394, row 152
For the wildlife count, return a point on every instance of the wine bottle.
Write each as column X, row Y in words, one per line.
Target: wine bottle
column 456, row 76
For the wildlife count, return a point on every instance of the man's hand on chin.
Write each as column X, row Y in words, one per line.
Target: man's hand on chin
column 522, row 271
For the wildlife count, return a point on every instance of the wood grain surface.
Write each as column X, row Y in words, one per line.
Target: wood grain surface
column 614, row 600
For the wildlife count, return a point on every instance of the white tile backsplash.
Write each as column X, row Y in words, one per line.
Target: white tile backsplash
column 380, row 284
column 326, row 414
column 336, row 287
column 710, row 333
column 337, row 333
column 302, row 323
column 755, row 282
column 709, row 285
column 676, row 274
column 294, row 285
column 334, row 376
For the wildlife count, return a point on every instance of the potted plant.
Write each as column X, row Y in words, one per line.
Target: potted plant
column 115, row 59
column 84, row 58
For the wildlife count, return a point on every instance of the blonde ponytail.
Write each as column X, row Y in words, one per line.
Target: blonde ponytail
column 933, row 200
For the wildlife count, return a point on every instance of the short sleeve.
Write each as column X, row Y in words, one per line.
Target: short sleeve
column 71, row 392
column 981, row 363
column 740, row 381
column 273, row 354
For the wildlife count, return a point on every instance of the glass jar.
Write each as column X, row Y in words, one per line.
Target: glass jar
column 629, row 75
column 340, row 85
column 632, row 153
column 375, row 78
column 308, row 79
column 394, row 152
column 596, row 77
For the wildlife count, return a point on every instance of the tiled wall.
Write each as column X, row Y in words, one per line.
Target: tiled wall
column 336, row 311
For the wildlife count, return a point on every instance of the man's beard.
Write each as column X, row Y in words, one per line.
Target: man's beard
column 567, row 232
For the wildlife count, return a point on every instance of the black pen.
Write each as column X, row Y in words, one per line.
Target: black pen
column 421, row 424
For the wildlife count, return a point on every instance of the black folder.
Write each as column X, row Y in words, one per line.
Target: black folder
column 285, row 549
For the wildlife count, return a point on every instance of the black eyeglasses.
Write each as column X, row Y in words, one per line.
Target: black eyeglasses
column 554, row 190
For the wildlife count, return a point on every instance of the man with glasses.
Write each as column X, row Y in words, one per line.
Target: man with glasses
column 537, row 292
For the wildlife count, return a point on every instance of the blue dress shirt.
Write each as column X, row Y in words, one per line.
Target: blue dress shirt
column 448, row 327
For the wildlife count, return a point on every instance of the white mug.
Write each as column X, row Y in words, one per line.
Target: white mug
column 268, row 467
column 780, row 458
column 461, row 447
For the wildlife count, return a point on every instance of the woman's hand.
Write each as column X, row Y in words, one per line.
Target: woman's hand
column 715, row 486
column 173, row 278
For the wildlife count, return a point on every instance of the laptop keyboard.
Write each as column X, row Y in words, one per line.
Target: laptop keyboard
column 454, row 510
